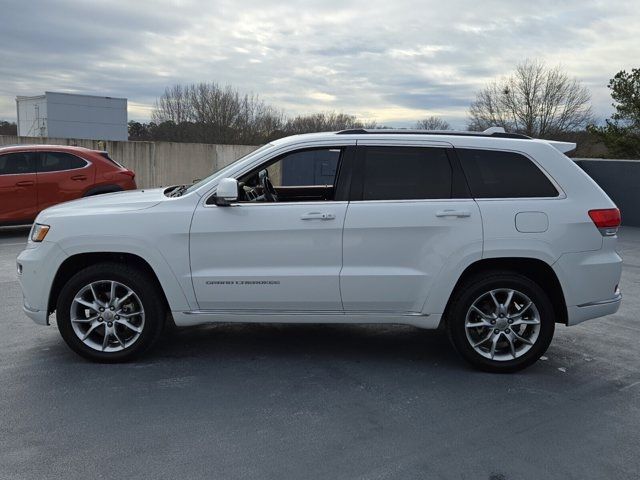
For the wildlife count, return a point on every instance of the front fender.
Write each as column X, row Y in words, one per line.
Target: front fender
column 173, row 283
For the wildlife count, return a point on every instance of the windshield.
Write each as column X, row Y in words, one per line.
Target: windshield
column 221, row 172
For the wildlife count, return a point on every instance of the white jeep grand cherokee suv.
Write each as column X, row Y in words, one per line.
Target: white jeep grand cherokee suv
column 494, row 237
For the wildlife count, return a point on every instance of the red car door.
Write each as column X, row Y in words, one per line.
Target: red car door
column 62, row 177
column 18, row 191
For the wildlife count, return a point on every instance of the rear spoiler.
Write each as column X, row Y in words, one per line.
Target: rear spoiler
column 563, row 147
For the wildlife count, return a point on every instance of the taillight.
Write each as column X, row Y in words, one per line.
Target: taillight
column 607, row 220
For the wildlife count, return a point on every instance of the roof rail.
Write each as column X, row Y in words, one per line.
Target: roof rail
column 490, row 132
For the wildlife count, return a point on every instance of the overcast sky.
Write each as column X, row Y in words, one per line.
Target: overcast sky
column 393, row 61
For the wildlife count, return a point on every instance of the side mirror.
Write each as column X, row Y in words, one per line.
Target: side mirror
column 227, row 191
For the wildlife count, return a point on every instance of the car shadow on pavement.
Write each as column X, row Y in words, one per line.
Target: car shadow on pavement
column 287, row 344
column 393, row 343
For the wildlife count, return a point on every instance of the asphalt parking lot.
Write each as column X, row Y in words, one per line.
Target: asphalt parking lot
column 319, row 402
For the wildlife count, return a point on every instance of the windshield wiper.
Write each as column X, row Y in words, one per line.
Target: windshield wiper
column 178, row 191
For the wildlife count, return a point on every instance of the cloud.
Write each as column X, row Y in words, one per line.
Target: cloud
column 393, row 62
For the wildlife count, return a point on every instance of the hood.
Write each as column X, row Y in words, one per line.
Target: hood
column 107, row 203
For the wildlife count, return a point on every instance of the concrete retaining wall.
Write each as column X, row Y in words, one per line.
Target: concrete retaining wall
column 621, row 180
column 155, row 163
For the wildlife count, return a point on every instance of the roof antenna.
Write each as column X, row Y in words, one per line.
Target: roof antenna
column 492, row 130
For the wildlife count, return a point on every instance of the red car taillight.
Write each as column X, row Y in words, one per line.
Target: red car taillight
column 607, row 220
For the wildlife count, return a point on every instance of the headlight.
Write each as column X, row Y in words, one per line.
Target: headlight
column 38, row 232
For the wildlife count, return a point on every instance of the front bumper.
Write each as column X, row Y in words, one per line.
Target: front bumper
column 41, row 317
column 38, row 266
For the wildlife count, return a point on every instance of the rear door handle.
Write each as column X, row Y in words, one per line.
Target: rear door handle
column 453, row 213
column 318, row 216
column 79, row 177
column 25, row 183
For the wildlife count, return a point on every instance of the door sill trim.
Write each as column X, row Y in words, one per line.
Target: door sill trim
column 198, row 317
column 304, row 312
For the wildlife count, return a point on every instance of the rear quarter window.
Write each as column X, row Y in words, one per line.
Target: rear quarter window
column 59, row 161
column 499, row 174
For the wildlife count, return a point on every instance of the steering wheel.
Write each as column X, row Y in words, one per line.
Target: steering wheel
column 268, row 190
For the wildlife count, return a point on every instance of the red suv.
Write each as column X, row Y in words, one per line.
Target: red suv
column 35, row 177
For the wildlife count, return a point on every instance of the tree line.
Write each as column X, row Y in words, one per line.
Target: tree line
column 8, row 128
column 211, row 113
column 535, row 100
column 239, row 124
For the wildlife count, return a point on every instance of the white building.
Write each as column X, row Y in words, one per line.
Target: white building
column 66, row 115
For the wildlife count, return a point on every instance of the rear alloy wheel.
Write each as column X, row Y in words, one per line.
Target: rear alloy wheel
column 501, row 323
column 110, row 312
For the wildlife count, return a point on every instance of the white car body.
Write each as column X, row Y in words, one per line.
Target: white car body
column 384, row 261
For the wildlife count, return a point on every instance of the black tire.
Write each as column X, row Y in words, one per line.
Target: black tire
column 145, row 288
column 472, row 290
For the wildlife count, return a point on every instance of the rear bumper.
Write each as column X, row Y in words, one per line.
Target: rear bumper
column 580, row 313
column 590, row 283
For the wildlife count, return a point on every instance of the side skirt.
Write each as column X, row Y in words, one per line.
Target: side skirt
column 199, row 317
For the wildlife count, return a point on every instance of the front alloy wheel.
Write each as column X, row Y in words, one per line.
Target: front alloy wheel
column 107, row 316
column 111, row 312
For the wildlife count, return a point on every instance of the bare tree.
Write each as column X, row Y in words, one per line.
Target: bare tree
column 325, row 122
column 535, row 100
column 207, row 112
column 173, row 106
column 433, row 123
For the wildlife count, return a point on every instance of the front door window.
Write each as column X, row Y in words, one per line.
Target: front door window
column 303, row 175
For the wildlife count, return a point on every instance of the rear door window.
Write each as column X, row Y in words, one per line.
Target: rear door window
column 498, row 174
column 405, row 173
column 58, row 161
column 18, row 163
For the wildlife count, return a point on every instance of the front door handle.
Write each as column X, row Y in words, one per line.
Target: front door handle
column 453, row 213
column 25, row 183
column 318, row 216
column 79, row 177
